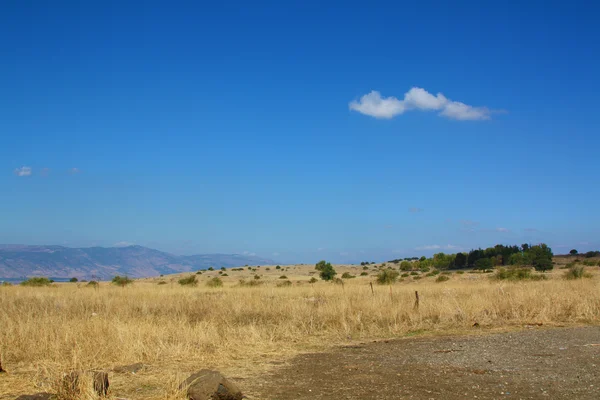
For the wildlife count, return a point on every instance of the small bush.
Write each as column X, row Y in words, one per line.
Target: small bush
column 211, row 269
column 268, row 269
column 161, row 283
column 365, row 268
column 416, row 278
column 577, row 272
column 404, row 275
column 338, row 281
column 223, row 269
column 225, row 274
column 387, row 277
column 442, row 278
column 460, row 272
column 347, row 275
column 414, row 273
column 189, row 281
column 220, row 272
column 256, row 277
column 364, row 273
column 284, row 284
column 427, row 269
column 40, row 281
column 252, row 283
column 589, row 263
column 517, row 274
column 283, row 277
column 214, row 282
column 197, row 273
column 6, row 284
column 313, row 280
column 92, row 284
column 121, row 281
column 73, row 280
column 278, row 267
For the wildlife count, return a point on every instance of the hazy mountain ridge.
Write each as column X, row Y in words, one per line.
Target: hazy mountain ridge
column 18, row 261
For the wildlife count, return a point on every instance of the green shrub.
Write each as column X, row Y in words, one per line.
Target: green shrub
column 268, row 269
column 189, row 281
column 73, row 280
column 517, row 274
column 283, row 277
column 251, row 283
column 313, row 280
column 589, row 263
column 427, row 269
column 364, row 273
column 404, row 275
column 197, row 273
column 347, row 275
column 6, row 284
column 414, row 273
column 121, row 281
column 442, row 278
column 278, row 267
column 416, row 278
column 387, row 276
column 326, row 270
column 37, row 281
column 211, row 269
column 161, row 283
column 214, row 282
column 460, row 272
column 577, row 272
column 365, row 268
column 220, row 272
column 92, row 284
column 284, row 284
column 256, row 277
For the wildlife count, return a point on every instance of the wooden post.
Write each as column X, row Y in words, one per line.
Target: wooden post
column 372, row 291
column 416, row 300
column 391, row 298
column 1, row 370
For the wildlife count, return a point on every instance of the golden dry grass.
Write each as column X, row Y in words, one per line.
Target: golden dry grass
column 45, row 332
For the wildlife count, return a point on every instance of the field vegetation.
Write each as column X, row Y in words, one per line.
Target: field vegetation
column 238, row 324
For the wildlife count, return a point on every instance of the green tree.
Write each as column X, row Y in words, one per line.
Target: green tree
column 540, row 257
column 321, row 265
column 484, row 263
column 327, row 271
column 73, row 280
column 573, row 252
column 460, row 261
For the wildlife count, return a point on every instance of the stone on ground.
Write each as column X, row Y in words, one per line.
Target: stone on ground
column 210, row 385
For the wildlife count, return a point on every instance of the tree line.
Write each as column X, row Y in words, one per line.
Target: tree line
column 538, row 256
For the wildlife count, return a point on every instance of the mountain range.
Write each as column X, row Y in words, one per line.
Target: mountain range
column 17, row 261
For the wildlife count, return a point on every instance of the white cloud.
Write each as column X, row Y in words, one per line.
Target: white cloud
column 463, row 112
column 502, row 230
column 123, row 244
column 416, row 98
column 74, row 171
column 438, row 247
column 23, row 171
column 415, row 210
column 275, row 254
column 374, row 105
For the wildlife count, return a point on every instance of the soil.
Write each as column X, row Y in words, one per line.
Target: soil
column 537, row 363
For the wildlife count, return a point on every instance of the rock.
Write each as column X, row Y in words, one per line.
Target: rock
column 37, row 396
column 210, row 385
column 132, row 369
column 99, row 382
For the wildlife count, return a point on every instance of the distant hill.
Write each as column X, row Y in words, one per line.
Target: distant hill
column 18, row 261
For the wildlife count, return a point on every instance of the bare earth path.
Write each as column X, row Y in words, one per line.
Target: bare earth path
column 560, row 363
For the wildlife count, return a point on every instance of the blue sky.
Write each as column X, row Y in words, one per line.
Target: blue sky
column 300, row 131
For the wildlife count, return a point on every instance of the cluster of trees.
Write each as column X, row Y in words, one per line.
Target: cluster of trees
column 538, row 256
column 326, row 270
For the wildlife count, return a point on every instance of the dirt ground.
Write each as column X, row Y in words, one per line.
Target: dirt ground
column 538, row 363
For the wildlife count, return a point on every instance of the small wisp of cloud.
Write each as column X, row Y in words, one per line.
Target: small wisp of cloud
column 23, row 171
column 438, row 247
column 415, row 210
column 74, row 171
column 374, row 105
column 123, row 244
column 45, row 172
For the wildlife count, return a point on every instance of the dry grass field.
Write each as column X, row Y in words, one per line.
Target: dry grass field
column 240, row 330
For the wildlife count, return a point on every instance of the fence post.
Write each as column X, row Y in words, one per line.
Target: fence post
column 416, row 300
